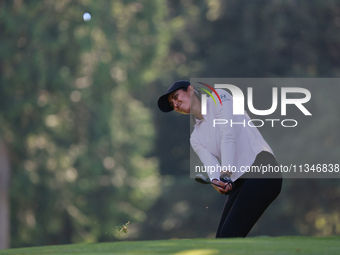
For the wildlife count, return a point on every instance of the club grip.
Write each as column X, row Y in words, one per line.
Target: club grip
column 228, row 180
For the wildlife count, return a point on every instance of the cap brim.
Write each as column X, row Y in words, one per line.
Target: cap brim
column 163, row 103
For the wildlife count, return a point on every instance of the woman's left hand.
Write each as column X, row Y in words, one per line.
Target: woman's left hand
column 225, row 186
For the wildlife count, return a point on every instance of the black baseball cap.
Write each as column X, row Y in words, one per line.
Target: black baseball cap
column 163, row 103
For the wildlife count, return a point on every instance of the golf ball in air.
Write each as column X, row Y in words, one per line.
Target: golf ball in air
column 87, row 16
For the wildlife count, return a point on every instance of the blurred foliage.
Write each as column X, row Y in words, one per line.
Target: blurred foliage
column 80, row 144
column 89, row 149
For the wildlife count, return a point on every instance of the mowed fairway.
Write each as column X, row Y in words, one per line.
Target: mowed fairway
column 256, row 245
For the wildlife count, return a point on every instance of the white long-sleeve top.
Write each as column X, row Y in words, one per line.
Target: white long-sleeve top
column 225, row 144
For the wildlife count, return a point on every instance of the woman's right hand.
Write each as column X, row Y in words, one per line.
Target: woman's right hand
column 225, row 186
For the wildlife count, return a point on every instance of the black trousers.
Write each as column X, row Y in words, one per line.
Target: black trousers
column 249, row 199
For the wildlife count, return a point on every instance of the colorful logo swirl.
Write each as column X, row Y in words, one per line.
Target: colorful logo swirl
column 213, row 90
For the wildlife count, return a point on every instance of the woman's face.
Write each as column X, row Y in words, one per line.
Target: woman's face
column 180, row 101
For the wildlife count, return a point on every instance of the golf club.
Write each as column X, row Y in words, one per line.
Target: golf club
column 205, row 180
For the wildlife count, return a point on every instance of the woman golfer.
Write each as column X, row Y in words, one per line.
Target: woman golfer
column 237, row 146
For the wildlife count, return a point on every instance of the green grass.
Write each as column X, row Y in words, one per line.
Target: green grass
column 253, row 246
